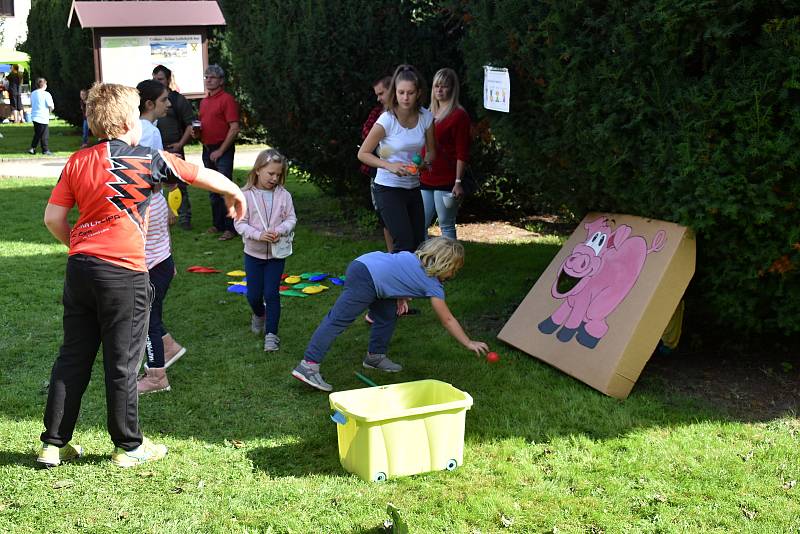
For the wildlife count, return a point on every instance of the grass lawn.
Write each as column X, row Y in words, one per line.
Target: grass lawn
column 253, row 450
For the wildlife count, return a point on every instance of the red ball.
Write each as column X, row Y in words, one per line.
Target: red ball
column 492, row 357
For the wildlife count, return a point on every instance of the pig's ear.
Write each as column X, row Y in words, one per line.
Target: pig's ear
column 619, row 235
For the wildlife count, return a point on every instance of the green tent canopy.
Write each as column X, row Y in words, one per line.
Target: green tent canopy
column 15, row 57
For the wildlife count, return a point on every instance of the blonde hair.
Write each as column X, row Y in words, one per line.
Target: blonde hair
column 448, row 78
column 264, row 158
column 441, row 256
column 108, row 108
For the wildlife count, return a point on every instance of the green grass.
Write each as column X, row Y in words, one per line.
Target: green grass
column 253, row 450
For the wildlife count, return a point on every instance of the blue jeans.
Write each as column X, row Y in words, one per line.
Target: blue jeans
column 434, row 205
column 85, row 132
column 263, row 289
column 160, row 277
column 223, row 165
column 358, row 295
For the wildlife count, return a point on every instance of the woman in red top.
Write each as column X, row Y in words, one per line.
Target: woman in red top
column 441, row 183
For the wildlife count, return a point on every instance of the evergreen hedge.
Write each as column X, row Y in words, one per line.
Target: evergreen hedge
column 60, row 54
column 308, row 69
column 675, row 109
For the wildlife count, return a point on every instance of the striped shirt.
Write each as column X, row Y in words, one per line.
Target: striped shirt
column 157, row 248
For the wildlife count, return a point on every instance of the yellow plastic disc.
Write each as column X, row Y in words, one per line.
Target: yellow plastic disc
column 313, row 290
column 292, row 280
column 237, row 273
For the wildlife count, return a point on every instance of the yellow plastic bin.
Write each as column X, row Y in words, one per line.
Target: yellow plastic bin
column 400, row 429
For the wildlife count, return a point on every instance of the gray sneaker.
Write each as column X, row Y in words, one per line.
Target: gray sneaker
column 257, row 324
column 382, row 363
column 271, row 343
column 309, row 373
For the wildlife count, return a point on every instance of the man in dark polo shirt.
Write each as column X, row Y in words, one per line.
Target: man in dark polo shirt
column 219, row 120
column 176, row 130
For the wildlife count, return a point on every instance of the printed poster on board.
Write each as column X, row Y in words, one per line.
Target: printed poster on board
column 130, row 59
column 496, row 89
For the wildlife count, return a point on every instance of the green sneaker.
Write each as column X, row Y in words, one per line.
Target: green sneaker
column 146, row 452
column 51, row 456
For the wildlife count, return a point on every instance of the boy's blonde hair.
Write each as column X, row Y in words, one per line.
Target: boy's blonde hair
column 108, row 108
column 264, row 158
column 441, row 256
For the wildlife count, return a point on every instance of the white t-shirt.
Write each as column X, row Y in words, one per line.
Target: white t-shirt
column 399, row 146
column 150, row 135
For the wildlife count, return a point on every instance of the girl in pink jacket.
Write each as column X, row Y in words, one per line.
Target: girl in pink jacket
column 267, row 231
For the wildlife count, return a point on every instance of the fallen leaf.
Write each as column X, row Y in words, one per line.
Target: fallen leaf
column 237, row 444
column 506, row 522
column 122, row 516
column 63, row 483
column 746, row 457
column 147, row 474
column 176, row 490
column 201, row 484
column 790, row 484
column 749, row 514
column 660, row 498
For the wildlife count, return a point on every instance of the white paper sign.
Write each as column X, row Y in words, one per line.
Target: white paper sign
column 496, row 89
column 130, row 59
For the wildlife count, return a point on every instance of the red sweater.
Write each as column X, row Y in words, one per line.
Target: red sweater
column 452, row 143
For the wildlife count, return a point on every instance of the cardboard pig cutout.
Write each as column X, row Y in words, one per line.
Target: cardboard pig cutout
column 599, row 309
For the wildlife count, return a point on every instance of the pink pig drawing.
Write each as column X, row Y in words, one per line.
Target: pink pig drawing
column 605, row 268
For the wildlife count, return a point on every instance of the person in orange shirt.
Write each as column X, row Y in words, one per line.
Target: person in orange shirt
column 107, row 292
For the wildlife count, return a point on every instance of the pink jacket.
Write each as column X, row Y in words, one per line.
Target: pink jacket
column 282, row 220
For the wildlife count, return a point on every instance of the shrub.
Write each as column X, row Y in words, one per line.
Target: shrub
column 676, row 110
column 60, row 54
column 308, row 67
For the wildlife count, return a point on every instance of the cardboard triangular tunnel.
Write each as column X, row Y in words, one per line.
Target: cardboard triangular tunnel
column 599, row 309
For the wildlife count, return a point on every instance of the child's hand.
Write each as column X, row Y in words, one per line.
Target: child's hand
column 269, row 236
column 402, row 306
column 478, row 347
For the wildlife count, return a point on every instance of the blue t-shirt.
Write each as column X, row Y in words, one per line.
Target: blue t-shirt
column 400, row 275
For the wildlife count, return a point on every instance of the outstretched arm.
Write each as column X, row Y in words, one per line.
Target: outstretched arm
column 211, row 180
column 452, row 325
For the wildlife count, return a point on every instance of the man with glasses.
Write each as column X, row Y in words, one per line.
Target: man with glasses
column 219, row 123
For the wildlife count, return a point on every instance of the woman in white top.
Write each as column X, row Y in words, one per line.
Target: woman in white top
column 162, row 350
column 400, row 134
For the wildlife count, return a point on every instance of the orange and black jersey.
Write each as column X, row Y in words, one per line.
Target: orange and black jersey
column 111, row 183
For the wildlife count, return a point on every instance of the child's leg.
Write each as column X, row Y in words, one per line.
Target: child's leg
column 384, row 314
column 124, row 309
column 357, row 295
column 272, row 297
column 255, row 269
column 73, row 367
column 160, row 278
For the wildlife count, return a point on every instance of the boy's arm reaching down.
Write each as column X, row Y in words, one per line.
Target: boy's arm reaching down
column 452, row 325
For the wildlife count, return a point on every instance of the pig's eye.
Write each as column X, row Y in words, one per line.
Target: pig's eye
column 596, row 242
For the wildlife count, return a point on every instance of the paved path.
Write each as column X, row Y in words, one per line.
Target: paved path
column 44, row 167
